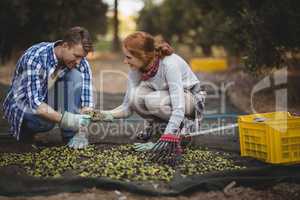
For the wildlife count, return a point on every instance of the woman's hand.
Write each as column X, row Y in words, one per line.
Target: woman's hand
column 98, row 115
column 106, row 116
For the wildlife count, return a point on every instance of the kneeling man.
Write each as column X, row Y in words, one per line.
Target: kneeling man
column 52, row 84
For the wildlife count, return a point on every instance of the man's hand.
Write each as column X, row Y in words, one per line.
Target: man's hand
column 85, row 110
column 45, row 111
column 74, row 121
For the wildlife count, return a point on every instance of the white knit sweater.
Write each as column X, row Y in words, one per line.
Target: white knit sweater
column 174, row 75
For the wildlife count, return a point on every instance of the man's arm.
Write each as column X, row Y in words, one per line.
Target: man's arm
column 85, row 110
column 45, row 111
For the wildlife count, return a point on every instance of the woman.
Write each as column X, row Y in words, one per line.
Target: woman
column 161, row 87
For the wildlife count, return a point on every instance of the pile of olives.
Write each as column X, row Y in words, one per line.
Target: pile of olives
column 115, row 162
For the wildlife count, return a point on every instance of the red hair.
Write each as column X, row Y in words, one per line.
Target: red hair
column 145, row 47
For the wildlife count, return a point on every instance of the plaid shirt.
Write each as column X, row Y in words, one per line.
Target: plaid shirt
column 29, row 86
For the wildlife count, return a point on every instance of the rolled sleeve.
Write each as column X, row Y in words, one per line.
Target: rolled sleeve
column 33, row 76
column 87, row 86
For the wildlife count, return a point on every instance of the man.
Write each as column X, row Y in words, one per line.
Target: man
column 52, row 84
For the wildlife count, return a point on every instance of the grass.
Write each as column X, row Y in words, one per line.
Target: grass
column 103, row 45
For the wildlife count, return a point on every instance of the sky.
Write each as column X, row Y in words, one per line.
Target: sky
column 127, row 7
column 130, row 7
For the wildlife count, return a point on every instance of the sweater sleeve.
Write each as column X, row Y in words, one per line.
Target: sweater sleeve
column 174, row 80
column 124, row 109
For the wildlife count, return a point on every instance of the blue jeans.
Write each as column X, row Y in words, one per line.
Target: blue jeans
column 66, row 95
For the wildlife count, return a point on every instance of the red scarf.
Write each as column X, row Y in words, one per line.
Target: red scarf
column 151, row 70
column 162, row 50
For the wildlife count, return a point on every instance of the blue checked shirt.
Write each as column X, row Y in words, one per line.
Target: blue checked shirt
column 29, row 86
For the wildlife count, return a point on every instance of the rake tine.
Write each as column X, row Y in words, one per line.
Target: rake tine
column 155, row 151
column 170, row 152
column 157, row 146
column 160, row 157
column 156, row 157
column 161, row 153
column 173, row 157
column 163, row 147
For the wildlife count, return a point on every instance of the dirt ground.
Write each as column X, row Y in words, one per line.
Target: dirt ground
column 277, row 90
column 281, row 191
column 109, row 71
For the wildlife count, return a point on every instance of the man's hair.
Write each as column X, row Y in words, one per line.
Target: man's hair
column 79, row 35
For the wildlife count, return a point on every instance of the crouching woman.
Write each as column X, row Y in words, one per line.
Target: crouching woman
column 161, row 88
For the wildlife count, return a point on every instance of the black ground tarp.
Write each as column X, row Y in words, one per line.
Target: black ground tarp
column 255, row 175
column 12, row 185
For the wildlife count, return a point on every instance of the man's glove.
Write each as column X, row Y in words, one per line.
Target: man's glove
column 79, row 141
column 74, row 121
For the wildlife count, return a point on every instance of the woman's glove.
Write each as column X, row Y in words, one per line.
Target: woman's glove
column 143, row 146
column 97, row 115
column 107, row 116
column 168, row 149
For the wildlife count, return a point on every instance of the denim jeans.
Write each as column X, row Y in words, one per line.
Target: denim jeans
column 64, row 96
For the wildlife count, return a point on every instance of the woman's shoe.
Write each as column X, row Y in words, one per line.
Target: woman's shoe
column 147, row 133
column 152, row 130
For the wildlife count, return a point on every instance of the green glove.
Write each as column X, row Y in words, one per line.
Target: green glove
column 143, row 146
column 79, row 141
column 107, row 116
column 74, row 121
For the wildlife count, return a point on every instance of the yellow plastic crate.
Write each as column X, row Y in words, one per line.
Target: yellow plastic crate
column 208, row 64
column 270, row 137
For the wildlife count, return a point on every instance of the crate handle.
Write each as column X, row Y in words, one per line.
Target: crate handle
column 259, row 119
column 295, row 114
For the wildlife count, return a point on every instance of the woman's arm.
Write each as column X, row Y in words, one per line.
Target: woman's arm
column 124, row 109
column 174, row 81
column 119, row 112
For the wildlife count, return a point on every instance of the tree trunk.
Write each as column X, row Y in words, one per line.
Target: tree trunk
column 116, row 40
column 207, row 50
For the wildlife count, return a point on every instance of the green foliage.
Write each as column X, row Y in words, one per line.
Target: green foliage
column 261, row 31
column 24, row 22
column 103, row 45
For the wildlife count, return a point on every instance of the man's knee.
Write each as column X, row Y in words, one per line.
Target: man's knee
column 43, row 127
column 49, row 126
column 72, row 91
column 73, row 75
column 36, row 126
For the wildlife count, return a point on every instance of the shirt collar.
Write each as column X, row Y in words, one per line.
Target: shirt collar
column 53, row 57
column 54, row 60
